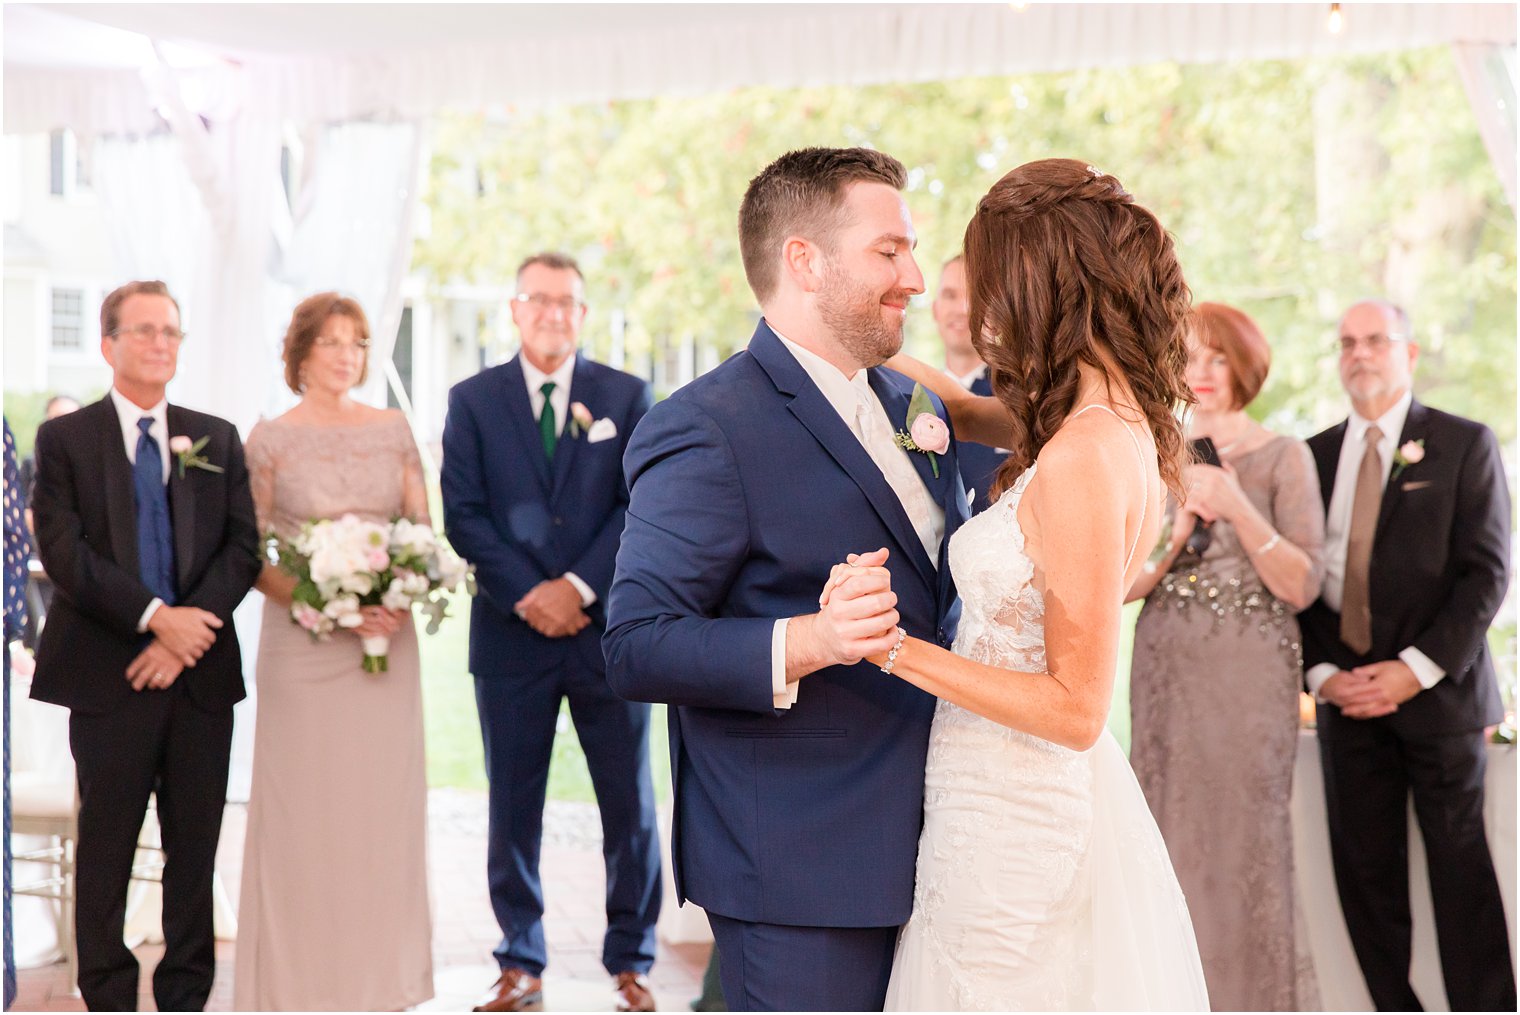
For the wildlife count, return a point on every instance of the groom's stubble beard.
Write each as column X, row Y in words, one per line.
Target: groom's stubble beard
column 853, row 314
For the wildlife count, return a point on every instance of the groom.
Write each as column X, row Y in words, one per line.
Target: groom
column 798, row 801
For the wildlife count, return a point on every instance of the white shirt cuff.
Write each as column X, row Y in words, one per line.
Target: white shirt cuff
column 1425, row 671
column 1317, row 676
column 587, row 596
column 783, row 695
column 142, row 622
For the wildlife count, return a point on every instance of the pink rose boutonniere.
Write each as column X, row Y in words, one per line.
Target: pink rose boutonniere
column 926, row 433
column 1409, row 453
column 580, row 419
column 189, row 454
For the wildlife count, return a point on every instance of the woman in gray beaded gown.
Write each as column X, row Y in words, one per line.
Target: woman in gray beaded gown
column 1217, row 672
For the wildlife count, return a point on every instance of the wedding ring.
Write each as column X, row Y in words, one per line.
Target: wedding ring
column 157, row 677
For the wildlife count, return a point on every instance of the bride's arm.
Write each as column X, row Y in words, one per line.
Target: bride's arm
column 978, row 418
column 1082, row 532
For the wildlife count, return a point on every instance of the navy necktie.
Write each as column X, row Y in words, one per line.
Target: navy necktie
column 155, row 540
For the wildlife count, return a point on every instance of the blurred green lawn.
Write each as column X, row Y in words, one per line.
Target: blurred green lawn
column 454, row 754
column 453, row 729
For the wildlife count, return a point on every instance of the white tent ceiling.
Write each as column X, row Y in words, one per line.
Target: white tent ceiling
column 79, row 64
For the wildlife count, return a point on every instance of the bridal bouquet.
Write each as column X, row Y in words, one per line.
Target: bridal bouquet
column 342, row 565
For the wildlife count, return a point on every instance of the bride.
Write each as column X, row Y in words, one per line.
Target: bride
column 1042, row 880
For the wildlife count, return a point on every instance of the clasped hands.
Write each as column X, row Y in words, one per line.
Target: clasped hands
column 553, row 609
column 1368, row 692
column 857, row 615
column 181, row 636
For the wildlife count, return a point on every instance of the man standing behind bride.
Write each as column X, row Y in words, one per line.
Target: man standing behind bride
column 798, row 803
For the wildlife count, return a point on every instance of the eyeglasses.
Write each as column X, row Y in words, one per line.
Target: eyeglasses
column 148, row 332
column 1375, row 344
column 328, row 342
column 541, row 301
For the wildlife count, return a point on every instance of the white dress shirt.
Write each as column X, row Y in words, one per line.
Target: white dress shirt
column 559, row 401
column 127, row 414
column 1338, row 529
column 861, row 411
column 967, row 379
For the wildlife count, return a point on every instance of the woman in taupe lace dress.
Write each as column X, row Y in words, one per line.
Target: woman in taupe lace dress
column 1217, row 671
column 334, row 913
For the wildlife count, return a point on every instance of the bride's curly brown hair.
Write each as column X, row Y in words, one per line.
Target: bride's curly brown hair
column 1065, row 268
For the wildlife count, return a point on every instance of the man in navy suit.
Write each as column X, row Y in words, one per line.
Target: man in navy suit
column 1417, row 536
column 533, row 496
column 799, row 770
column 952, row 316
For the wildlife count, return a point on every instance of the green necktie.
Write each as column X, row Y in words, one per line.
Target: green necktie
column 546, row 427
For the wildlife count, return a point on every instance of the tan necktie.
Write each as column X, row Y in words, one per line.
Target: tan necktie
column 1356, row 608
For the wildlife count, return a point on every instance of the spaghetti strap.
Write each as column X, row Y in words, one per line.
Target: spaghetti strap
column 1139, row 452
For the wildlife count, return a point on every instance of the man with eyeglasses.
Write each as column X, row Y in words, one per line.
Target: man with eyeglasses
column 1416, row 553
column 149, row 549
column 534, row 497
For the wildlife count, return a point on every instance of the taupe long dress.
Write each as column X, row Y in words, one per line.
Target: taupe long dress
column 1214, row 700
column 334, row 913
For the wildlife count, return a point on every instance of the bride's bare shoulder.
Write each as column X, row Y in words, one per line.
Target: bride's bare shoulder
column 1091, row 451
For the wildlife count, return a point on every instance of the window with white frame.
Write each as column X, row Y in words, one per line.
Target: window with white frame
column 66, row 173
column 68, row 320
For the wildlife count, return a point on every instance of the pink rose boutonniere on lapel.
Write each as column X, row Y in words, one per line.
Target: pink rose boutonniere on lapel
column 189, row 454
column 926, row 433
column 1409, row 453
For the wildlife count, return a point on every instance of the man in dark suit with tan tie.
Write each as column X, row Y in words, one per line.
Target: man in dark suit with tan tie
column 1417, row 549
column 149, row 552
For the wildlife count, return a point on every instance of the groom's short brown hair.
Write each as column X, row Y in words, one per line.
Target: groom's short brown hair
column 802, row 194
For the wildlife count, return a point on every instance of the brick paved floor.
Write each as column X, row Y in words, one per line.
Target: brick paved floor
column 464, row 930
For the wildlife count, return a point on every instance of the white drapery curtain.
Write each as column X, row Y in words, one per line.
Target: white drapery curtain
column 352, row 230
column 1488, row 74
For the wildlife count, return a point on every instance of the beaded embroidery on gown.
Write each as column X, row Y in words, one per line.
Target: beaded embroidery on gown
column 1043, row 882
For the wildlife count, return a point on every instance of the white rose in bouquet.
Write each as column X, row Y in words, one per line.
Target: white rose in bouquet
column 343, row 611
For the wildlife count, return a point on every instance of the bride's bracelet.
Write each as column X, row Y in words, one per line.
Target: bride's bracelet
column 886, row 667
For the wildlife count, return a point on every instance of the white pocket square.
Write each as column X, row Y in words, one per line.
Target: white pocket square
column 603, row 429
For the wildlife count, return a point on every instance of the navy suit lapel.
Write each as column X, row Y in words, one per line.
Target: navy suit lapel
column 181, row 503
column 121, row 504
column 945, row 489
column 583, row 390
column 815, row 412
column 519, row 411
column 1415, row 425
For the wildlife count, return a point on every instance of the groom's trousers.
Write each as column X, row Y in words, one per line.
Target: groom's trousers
column 770, row 967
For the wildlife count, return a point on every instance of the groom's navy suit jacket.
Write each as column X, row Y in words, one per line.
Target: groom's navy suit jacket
column 746, row 487
column 521, row 519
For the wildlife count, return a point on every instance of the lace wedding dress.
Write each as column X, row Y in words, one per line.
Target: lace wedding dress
column 1043, row 882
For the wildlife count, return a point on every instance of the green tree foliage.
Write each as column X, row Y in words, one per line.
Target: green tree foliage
column 1292, row 188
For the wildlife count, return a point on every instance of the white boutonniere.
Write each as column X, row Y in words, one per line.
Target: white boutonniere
column 927, row 433
column 189, row 454
column 580, row 418
column 1409, row 453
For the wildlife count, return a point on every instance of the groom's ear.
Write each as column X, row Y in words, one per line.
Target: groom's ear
column 802, row 263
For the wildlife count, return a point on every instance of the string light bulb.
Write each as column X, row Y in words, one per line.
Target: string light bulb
column 1018, row 8
column 1335, row 19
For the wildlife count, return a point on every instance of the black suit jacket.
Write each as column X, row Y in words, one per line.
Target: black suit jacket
column 86, row 520
column 1440, row 566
